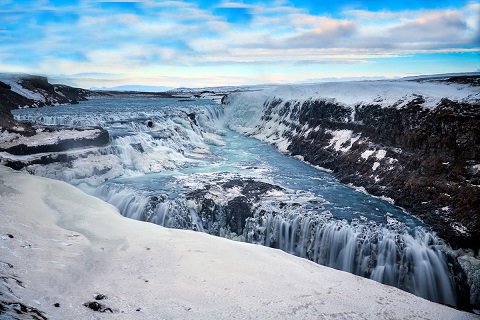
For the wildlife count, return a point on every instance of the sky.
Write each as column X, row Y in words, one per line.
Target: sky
column 186, row 43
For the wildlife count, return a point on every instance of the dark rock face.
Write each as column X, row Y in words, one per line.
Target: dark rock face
column 95, row 140
column 18, row 310
column 52, row 94
column 10, row 100
column 433, row 173
column 234, row 213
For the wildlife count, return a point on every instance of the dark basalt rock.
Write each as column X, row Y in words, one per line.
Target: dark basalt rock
column 100, row 296
column 234, row 214
column 96, row 306
column 435, row 152
column 237, row 211
column 97, row 140
column 43, row 160
column 18, row 310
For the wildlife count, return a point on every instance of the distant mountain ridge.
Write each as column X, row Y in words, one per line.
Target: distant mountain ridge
column 136, row 88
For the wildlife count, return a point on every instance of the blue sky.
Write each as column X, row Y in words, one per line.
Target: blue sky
column 206, row 43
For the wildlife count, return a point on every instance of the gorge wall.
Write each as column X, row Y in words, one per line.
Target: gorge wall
column 32, row 91
column 416, row 142
column 24, row 138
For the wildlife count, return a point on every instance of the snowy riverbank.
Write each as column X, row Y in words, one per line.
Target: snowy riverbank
column 61, row 249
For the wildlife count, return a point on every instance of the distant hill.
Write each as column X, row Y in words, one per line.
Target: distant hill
column 137, row 88
column 32, row 91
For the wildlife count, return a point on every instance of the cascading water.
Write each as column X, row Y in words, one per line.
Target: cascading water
column 170, row 163
column 415, row 263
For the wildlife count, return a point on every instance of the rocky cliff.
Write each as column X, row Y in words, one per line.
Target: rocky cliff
column 416, row 142
column 30, row 91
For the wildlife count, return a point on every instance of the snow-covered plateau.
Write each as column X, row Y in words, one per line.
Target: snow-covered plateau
column 66, row 254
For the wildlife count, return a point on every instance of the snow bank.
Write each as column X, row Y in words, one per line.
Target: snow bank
column 385, row 93
column 66, row 248
column 275, row 114
column 13, row 82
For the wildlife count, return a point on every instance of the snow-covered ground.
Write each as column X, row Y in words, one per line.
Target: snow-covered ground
column 385, row 93
column 61, row 249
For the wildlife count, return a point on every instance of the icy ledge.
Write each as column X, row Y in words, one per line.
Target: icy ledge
column 61, row 249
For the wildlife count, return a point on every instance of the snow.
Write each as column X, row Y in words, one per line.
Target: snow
column 66, row 247
column 367, row 153
column 387, row 199
column 384, row 93
column 340, row 138
column 380, row 154
column 476, row 168
column 17, row 88
column 459, row 227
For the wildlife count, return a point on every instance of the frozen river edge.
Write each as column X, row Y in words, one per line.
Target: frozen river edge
column 62, row 249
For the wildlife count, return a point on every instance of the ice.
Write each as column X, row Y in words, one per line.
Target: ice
column 173, row 140
column 76, row 246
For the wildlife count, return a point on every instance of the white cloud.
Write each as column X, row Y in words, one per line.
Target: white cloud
column 177, row 33
column 232, row 4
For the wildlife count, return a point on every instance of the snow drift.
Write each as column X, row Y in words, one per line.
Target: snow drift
column 67, row 255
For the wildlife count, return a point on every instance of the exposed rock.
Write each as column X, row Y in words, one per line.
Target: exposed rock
column 425, row 161
column 99, row 307
column 18, row 310
column 100, row 296
column 232, row 209
column 56, row 139
column 22, row 138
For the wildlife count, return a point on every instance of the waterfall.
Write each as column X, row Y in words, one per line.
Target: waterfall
column 129, row 203
column 413, row 262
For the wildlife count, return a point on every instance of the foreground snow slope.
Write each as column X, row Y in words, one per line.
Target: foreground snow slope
column 61, row 247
